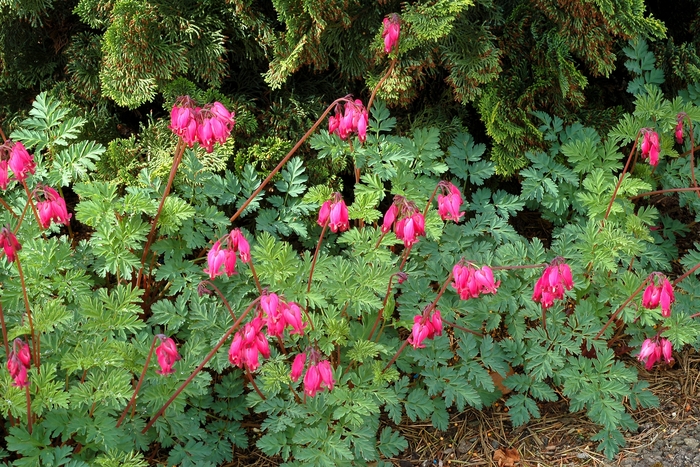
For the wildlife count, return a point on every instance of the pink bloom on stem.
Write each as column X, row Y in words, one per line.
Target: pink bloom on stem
column 419, row 332
column 553, row 282
column 449, row 204
column 651, row 147
column 18, row 362
column 470, row 282
column 292, row 317
column 4, row 174
column 312, row 381
column 353, row 119
column 298, row 366
column 339, row 217
column 679, row 130
column 436, row 322
column 654, row 350
column 167, row 355
column 389, row 218
column 9, row 243
column 21, row 162
column 223, row 115
column 326, row 373
column 659, row 292
column 247, row 344
column 238, row 242
column 392, row 28
column 53, row 208
column 215, row 260
column 324, row 214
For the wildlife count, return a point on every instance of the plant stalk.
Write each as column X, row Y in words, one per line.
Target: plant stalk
column 138, row 385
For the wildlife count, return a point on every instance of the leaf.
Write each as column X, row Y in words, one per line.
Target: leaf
column 391, row 443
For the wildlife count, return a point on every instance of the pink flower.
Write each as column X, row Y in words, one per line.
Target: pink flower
column 324, row 214
column 425, row 327
column 21, row 162
column 353, row 119
column 392, row 27
column 215, row 259
column 470, row 282
column 326, row 373
column 410, row 228
column 9, row 243
column 650, row 147
column 312, row 381
column 181, row 118
column 553, row 282
column 298, row 366
column 659, row 292
column 654, row 350
column 167, row 355
column 53, row 208
column 679, row 131
column 207, row 125
column 449, row 204
column 339, row 217
column 389, row 218
column 4, row 174
column 292, row 317
column 239, row 244
column 247, row 344
column 18, row 362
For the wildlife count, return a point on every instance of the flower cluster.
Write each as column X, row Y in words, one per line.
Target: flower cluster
column 9, row 243
column 280, row 315
column 18, row 363
column 335, row 213
column 225, row 258
column 204, row 125
column 425, row 327
column 167, row 355
column 651, row 147
column 470, row 282
column 411, row 223
column 247, row 344
column 52, row 208
column 15, row 156
column 659, row 292
column 449, row 202
column 318, row 375
column 353, row 119
column 392, row 28
column 550, row 286
column 654, row 350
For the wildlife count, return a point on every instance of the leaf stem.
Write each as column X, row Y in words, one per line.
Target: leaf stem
column 138, row 385
column 381, row 311
column 684, row 276
column 622, row 176
column 669, row 190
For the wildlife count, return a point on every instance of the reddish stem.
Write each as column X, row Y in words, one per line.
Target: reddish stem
column 461, row 328
column 669, row 190
column 179, row 151
column 406, row 252
column 622, row 177
column 684, row 276
column 30, row 199
column 223, row 299
column 201, row 365
column 9, row 209
column 138, row 385
column 286, row 158
column 525, row 266
column 255, row 276
column 381, row 312
column 426, row 313
column 4, row 332
column 252, row 381
column 622, row 307
column 430, row 201
column 36, row 356
column 313, row 262
column 692, row 152
column 29, row 411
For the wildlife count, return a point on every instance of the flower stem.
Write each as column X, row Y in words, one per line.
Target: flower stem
column 430, row 201
column 255, row 276
column 622, row 176
column 30, row 199
column 622, row 307
column 692, row 152
column 684, row 276
column 4, row 332
column 381, row 312
column 461, row 328
column 525, row 266
column 669, row 190
column 381, row 81
column 313, row 262
column 138, row 385
column 179, row 151
column 201, row 365
column 252, row 381
column 21, row 219
column 35, row 352
column 426, row 312
column 9, row 209
column 286, row 158
column 29, row 411
column 405, row 257
column 223, row 299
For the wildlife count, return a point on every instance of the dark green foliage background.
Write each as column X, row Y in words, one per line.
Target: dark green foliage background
column 487, row 63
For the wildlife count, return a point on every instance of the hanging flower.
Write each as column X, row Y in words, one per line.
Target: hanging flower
column 166, row 354
column 218, row 257
column 650, row 146
column 555, row 279
column 52, row 208
column 449, row 203
column 9, row 243
column 392, row 28
column 470, row 282
column 21, row 162
column 425, row 327
column 659, row 292
column 353, row 118
column 654, row 350
column 18, row 362
column 204, row 125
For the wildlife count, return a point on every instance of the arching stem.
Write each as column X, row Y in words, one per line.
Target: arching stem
column 138, row 385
